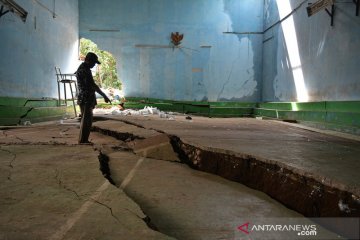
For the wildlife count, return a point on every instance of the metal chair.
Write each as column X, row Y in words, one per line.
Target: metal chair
column 66, row 79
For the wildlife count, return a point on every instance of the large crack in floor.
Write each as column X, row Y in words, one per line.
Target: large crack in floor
column 103, row 165
column 106, row 172
column 317, row 199
column 313, row 198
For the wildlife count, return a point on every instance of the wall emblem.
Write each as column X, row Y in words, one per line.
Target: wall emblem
column 176, row 38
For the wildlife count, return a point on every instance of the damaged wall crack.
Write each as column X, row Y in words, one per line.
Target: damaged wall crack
column 229, row 77
column 25, row 115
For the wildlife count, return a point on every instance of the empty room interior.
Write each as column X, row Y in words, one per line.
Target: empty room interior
column 179, row 119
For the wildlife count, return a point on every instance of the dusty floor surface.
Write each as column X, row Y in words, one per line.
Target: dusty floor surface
column 53, row 188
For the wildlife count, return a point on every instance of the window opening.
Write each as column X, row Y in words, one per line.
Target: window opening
column 105, row 74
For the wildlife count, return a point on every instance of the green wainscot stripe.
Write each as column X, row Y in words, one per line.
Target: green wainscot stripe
column 346, row 106
column 25, row 102
column 14, row 111
column 233, row 104
column 230, row 112
column 294, row 106
column 147, row 100
column 9, row 121
column 303, row 115
column 344, row 113
column 29, row 112
column 344, row 118
column 169, row 107
column 330, row 106
column 276, row 105
column 203, row 108
column 333, row 126
column 341, row 114
column 271, row 113
column 135, row 105
column 47, row 111
column 199, row 109
column 311, row 106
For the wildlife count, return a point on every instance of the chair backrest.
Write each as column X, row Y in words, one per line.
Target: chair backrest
column 64, row 78
column 59, row 77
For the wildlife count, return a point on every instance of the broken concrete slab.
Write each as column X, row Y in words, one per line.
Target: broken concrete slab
column 129, row 166
column 189, row 204
column 326, row 158
column 56, row 191
column 314, row 176
column 126, row 132
column 144, row 142
column 156, row 147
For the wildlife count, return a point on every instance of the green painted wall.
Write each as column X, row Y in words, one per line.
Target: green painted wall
column 17, row 111
column 208, row 109
column 340, row 116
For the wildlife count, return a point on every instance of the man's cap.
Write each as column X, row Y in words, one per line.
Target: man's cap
column 92, row 57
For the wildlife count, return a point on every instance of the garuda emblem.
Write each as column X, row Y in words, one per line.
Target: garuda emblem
column 176, row 38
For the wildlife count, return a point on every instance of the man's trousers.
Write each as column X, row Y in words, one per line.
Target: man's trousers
column 86, row 122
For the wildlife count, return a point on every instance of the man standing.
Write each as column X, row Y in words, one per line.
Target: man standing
column 86, row 97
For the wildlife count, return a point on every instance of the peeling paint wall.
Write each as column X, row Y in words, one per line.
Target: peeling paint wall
column 31, row 50
column 209, row 65
column 329, row 56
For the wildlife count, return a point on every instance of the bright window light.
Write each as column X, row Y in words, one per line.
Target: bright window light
column 292, row 46
column 294, row 106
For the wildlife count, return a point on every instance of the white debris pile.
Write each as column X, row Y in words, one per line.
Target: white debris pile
column 142, row 112
column 344, row 207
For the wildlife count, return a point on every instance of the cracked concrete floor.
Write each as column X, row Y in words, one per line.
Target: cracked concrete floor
column 321, row 156
column 52, row 189
column 185, row 203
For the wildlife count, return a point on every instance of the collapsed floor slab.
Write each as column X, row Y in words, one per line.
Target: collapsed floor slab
column 189, row 204
column 296, row 183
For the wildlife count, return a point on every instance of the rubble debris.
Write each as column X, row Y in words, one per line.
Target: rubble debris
column 148, row 110
column 344, row 207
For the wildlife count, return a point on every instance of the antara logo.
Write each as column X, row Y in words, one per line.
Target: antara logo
column 244, row 228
